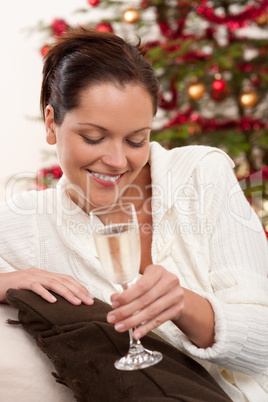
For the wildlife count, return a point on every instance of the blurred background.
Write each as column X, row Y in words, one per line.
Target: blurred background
column 23, row 149
column 211, row 58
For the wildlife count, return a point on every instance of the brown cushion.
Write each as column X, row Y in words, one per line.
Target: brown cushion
column 83, row 348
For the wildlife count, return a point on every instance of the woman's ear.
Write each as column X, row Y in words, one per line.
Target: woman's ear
column 50, row 125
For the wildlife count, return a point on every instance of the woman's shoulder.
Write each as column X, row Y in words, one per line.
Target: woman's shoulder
column 178, row 165
column 188, row 154
column 26, row 203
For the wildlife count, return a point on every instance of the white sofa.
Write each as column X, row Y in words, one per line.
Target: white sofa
column 25, row 371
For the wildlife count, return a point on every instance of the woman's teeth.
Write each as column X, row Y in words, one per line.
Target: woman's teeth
column 105, row 178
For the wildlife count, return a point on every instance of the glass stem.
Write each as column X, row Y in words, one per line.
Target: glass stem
column 135, row 346
column 132, row 340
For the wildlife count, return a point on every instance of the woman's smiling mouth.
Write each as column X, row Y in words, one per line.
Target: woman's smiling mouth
column 107, row 180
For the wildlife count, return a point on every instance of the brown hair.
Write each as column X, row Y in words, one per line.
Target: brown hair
column 84, row 57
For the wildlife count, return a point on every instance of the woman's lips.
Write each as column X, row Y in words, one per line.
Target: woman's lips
column 106, row 180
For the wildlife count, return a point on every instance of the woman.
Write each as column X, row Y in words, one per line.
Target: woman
column 203, row 282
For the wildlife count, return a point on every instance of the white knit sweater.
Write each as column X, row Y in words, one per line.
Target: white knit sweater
column 204, row 232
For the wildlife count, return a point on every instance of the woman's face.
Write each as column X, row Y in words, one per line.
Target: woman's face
column 103, row 144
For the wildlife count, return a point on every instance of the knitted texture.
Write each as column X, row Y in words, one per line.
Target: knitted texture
column 204, row 232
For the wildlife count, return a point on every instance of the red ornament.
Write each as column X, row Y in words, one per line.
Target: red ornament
column 144, row 4
column 165, row 28
column 219, row 85
column 104, row 27
column 219, row 90
column 47, row 178
column 93, row 3
column 44, row 50
column 56, row 172
column 59, row 27
column 42, row 173
column 218, row 96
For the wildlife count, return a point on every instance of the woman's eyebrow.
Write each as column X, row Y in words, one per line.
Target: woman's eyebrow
column 106, row 130
column 93, row 125
column 141, row 129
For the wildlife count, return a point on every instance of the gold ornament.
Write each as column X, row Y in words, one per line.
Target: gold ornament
column 248, row 98
column 131, row 15
column 196, row 89
column 262, row 20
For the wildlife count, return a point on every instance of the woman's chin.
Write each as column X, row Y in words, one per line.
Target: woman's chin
column 103, row 203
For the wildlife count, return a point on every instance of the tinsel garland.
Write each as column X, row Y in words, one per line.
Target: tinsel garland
column 190, row 116
column 233, row 21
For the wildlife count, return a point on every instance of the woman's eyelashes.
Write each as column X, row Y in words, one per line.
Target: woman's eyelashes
column 90, row 141
column 133, row 144
column 136, row 144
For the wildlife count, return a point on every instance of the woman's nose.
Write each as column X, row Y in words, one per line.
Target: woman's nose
column 115, row 157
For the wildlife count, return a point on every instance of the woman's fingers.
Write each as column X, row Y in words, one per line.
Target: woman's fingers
column 41, row 282
column 37, row 288
column 42, row 286
column 152, row 275
column 143, row 329
column 153, row 299
column 169, row 306
column 70, row 289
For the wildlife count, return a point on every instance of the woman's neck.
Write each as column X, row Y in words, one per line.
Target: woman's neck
column 139, row 192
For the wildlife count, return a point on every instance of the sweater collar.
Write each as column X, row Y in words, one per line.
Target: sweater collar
column 171, row 171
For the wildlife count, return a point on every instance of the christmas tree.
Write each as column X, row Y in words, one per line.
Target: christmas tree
column 211, row 58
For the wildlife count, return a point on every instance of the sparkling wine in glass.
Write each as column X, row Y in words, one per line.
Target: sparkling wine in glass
column 117, row 240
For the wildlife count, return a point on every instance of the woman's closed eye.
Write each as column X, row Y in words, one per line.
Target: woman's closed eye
column 91, row 141
column 136, row 144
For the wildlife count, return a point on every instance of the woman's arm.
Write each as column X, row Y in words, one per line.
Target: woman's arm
column 236, row 281
column 20, row 252
column 197, row 322
column 158, row 297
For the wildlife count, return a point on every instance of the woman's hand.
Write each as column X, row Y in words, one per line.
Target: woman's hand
column 40, row 282
column 157, row 297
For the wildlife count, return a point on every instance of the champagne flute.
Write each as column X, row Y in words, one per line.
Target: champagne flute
column 117, row 240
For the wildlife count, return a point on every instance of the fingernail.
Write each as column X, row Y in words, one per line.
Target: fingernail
column 137, row 335
column 89, row 300
column 111, row 318
column 75, row 299
column 115, row 304
column 119, row 326
column 52, row 298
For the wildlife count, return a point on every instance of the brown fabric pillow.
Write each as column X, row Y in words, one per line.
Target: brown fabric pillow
column 83, row 348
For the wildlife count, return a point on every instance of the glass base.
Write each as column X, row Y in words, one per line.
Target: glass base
column 138, row 359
